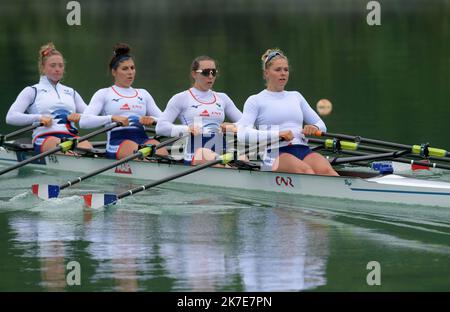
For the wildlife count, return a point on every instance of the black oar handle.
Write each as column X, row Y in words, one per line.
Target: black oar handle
column 71, row 143
column 403, row 160
column 23, row 130
column 377, row 149
column 362, row 140
column 61, row 147
column 347, row 160
column 99, row 131
column 4, row 137
column 31, row 159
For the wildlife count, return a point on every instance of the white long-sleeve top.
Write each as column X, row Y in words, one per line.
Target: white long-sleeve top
column 272, row 112
column 44, row 99
column 115, row 100
column 206, row 109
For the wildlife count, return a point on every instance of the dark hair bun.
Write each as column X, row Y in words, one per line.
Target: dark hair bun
column 121, row 49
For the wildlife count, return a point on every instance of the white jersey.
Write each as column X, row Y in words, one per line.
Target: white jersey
column 119, row 101
column 272, row 112
column 46, row 99
column 206, row 109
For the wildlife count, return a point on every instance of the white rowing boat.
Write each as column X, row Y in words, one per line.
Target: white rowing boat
column 390, row 188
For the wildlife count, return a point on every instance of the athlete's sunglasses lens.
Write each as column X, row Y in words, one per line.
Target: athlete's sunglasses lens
column 207, row 71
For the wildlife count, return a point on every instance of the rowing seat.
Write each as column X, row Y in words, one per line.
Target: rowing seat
column 244, row 165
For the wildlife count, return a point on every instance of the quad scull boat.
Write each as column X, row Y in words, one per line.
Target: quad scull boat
column 368, row 186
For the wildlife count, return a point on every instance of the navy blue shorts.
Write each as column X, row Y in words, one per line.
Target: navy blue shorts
column 117, row 137
column 299, row 151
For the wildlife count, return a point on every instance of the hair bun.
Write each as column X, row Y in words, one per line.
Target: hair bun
column 121, row 49
column 46, row 49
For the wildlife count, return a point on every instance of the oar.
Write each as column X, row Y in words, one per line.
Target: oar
column 337, row 145
column 4, row 137
column 401, row 160
column 350, row 148
column 98, row 200
column 422, row 150
column 367, row 157
column 61, row 147
column 46, row 191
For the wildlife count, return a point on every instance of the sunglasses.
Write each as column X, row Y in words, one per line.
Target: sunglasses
column 207, row 71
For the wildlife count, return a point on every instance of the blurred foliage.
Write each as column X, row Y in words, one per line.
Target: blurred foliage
column 390, row 81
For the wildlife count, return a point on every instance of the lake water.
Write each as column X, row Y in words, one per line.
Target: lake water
column 389, row 82
column 190, row 238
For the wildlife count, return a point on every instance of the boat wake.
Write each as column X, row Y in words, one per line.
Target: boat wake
column 27, row 201
column 59, row 205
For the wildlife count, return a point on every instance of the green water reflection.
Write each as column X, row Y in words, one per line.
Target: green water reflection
column 388, row 82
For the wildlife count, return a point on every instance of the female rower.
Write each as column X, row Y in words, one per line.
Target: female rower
column 202, row 112
column 49, row 102
column 278, row 113
column 134, row 108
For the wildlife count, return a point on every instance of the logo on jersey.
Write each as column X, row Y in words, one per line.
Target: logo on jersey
column 205, row 113
column 140, row 101
column 125, row 107
column 60, row 116
column 196, row 106
column 116, row 100
column 67, row 91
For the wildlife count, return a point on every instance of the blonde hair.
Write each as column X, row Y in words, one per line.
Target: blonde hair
column 270, row 55
column 45, row 52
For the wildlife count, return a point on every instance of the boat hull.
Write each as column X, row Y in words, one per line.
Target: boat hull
column 385, row 189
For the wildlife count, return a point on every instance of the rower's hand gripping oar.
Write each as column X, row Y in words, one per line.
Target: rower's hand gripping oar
column 46, row 191
column 4, row 137
column 98, row 200
column 61, row 147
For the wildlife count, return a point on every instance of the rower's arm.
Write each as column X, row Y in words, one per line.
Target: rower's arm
column 165, row 125
column 310, row 117
column 16, row 115
column 246, row 131
column 92, row 116
column 151, row 108
column 80, row 105
column 232, row 113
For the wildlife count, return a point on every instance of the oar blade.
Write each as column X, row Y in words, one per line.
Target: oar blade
column 45, row 191
column 99, row 200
